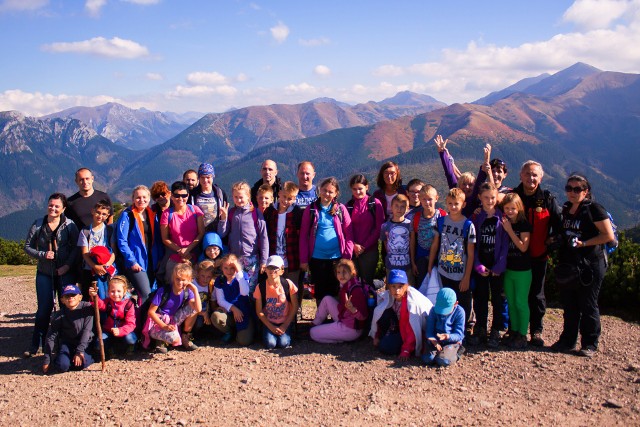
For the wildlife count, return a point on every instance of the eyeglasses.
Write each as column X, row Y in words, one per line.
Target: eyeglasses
column 272, row 268
column 576, row 190
column 181, row 195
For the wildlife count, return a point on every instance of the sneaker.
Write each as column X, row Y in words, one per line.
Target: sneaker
column 479, row 336
column 31, row 352
column 494, row 339
column 227, row 338
column 187, row 344
column 161, row 348
column 536, row 339
column 588, row 351
column 562, row 347
column 519, row 342
column 427, row 358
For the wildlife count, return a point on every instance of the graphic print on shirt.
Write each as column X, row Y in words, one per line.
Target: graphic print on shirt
column 452, row 251
column 275, row 307
column 209, row 206
column 398, row 245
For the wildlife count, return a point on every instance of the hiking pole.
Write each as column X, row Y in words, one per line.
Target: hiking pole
column 94, row 284
column 53, row 273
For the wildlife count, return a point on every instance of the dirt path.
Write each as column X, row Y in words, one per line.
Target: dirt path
column 314, row 384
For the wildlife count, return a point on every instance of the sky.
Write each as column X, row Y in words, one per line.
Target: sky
column 215, row 55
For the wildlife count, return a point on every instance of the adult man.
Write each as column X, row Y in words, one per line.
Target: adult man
column 190, row 177
column 308, row 192
column 81, row 203
column 543, row 213
column 208, row 197
column 269, row 172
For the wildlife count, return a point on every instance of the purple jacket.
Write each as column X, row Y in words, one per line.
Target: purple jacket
column 472, row 203
column 244, row 238
column 501, row 247
column 366, row 229
column 308, row 239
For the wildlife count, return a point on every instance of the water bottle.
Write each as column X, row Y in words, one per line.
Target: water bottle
column 371, row 299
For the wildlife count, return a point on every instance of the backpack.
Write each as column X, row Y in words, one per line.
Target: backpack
column 465, row 230
column 372, row 301
column 312, row 214
column 143, row 310
column 371, row 207
column 609, row 247
column 131, row 303
column 416, row 218
column 171, row 212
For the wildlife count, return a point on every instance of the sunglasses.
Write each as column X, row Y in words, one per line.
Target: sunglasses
column 181, row 195
column 272, row 268
column 576, row 190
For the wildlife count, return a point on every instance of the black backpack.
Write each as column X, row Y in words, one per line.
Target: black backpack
column 263, row 291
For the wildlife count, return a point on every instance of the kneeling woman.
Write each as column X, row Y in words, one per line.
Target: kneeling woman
column 585, row 228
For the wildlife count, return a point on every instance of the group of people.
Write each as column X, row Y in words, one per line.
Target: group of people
column 192, row 264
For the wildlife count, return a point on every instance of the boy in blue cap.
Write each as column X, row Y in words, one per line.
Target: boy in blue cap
column 72, row 329
column 445, row 330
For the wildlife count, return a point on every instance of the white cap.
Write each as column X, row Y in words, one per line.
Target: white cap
column 275, row 261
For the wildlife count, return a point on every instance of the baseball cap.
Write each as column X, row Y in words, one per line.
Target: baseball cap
column 275, row 261
column 445, row 300
column 70, row 289
column 397, row 277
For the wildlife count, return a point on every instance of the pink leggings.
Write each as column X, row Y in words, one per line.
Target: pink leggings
column 331, row 333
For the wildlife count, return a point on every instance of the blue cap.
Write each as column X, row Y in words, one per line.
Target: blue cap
column 206, row 169
column 445, row 301
column 71, row 289
column 397, row 277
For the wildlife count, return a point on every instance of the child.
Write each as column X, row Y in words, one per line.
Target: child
column 71, row 331
column 423, row 226
column 95, row 235
column 120, row 320
column 517, row 278
column 180, row 304
column 349, row 311
column 283, row 221
column 232, row 295
column 413, row 194
column 212, row 245
column 204, row 284
column 395, row 234
column 490, row 261
column 264, row 197
column 276, row 304
column 445, row 330
column 454, row 239
column 400, row 318
column 247, row 232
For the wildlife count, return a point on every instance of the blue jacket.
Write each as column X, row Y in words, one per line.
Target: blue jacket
column 130, row 244
column 210, row 239
column 452, row 324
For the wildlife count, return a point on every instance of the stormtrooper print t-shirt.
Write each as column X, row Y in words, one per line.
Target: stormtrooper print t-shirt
column 397, row 235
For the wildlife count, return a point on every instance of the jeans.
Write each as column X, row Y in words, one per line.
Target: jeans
column 272, row 340
column 141, row 283
column 537, row 301
column 46, row 289
column 64, row 360
column 111, row 341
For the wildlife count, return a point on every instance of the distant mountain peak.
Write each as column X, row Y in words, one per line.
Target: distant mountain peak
column 406, row 98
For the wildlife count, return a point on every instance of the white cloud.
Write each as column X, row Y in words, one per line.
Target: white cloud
column 593, row 14
column 314, row 42
column 242, row 77
column 302, row 88
column 280, row 32
column 113, row 48
column 388, row 71
column 154, row 76
column 202, row 91
column 322, row 71
column 206, row 78
column 22, row 5
column 93, row 7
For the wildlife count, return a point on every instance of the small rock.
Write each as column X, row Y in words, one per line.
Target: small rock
column 611, row 403
column 245, row 380
column 631, row 368
column 181, row 423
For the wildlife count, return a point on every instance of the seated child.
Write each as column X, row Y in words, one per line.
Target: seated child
column 233, row 314
column 445, row 330
column 71, row 331
column 204, row 284
column 400, row 318
column 349, row 312
column 120, row 320
column 276, row 304
column 212, row 250
column 171, row 307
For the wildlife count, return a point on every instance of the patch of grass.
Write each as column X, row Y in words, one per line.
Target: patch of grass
column 17, row 270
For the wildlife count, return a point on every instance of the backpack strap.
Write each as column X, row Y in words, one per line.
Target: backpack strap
column 286, row 286
column 440, row 224
column 416, row 220
column 465, row 232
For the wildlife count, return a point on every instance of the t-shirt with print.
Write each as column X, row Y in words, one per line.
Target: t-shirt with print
column 582, row 227
column 208, row 204
column 398, row 236
column 486, row 241
column 516, row 259
column 203, row 291
column 427, row 228
column 277, row 307
column 173, row 303
column 306, row 197
column 90, row 238
column 452, row 258
column 183, row 229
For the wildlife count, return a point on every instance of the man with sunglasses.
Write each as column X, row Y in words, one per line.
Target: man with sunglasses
column 544, row 215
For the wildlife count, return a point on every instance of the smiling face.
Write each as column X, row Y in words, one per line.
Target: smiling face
column 229, row 270
column 241, row 197
column 572, row 196
column 428, row 201
column 390, row 175
column 179, row 198
column 531, row 176
column 413, row 193
column 212, row 252
column 454, row 206
column 141, row 199
column 84, row 180
column 204, row 277
column 498, row 175
column 488, row 199
column 343, row 274
column 117, row 290
column 180, row 281
column 328, row 193
column 71, row 301
column 466, row 185
column 206, row 183
column 398, row 209
column 55, row 208
column 359, row 191
column 264, row 199
column 306, row 174
column 285, row 200
column 191, row 179
column 510, row 211
column 99, row 215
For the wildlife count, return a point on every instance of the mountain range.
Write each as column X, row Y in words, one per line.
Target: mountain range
column 579, row 119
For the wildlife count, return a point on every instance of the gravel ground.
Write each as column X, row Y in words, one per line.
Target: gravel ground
column 313, row 384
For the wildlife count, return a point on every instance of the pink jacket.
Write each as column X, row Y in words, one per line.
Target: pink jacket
column 308, row 239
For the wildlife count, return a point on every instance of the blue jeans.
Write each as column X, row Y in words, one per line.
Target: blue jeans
column 110, row 341
column 64, row 360
column 141, row 283
column 390, row 344
column 46, row 289
column 272, row 340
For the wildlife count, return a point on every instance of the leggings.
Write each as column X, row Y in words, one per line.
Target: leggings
column 516, row 288
column 331, row 333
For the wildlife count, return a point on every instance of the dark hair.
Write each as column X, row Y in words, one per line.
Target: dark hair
column 178, row 185
column 486, row 186
column 498, row 163
column 581, row 178
column 83, row 169
column 60, row 197
column 102, row 204
column 187, row 172
column 334, row 204
column 380, row 179
column 415, row 181
column 358, row 179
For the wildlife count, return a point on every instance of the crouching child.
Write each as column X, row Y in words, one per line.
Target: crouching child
column 445, row 330
column 71, row 331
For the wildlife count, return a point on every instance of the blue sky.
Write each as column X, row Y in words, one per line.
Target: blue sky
column 212, row 55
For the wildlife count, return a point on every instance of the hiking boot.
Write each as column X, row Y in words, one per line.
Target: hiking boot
column 479, row 336
column 161, row 348
column 536, row 339
column 494, row 339
column 519, row 342
column 588, row 351
column 562, row 347
column 130, row 349
column 187, row 344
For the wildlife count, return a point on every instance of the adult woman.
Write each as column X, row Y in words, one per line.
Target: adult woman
column 182, row 229
column 389, row 183
column 585, row 228
column 137, row 235
column 51, row 240
column 325, row 236
column 367, row 216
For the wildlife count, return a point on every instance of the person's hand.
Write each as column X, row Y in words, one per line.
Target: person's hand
column 506, row 225
column 207, row 320
column 485, row 273
column 440, row 143
column 487, row 153
column 464, row 284
column 169, row 327
column 358, row 249
column 184, row 253
column 224, row 210
column 78, row 360
column 237, row 314
column 62, row 270
column 349, row 305
column 442, row 337
column 99, row 270
column 115, row 332
column 486, row 167
column 376, row 341
column 136, row 268
column 263, row 267
column 45, row 368
column 50, row 255
column 93, row 291
column 414, row 269
column 404, row 356
column 277, row 330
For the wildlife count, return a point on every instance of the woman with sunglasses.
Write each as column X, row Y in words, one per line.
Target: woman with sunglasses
column 182, row 229
column 586, row 227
